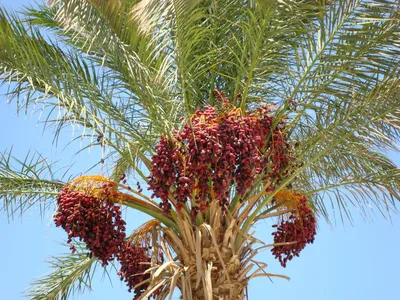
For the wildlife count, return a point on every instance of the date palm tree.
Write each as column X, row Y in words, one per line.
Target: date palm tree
column 137, row 77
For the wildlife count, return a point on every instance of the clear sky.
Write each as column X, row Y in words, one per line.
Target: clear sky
column 345, row 262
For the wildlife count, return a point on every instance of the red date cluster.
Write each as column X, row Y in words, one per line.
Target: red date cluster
column 95, row 221
column 164, row 170
column 214, row 152
column 300, row 228
column 135, row 260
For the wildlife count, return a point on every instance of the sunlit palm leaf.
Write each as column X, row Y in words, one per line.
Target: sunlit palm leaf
column 71, row 275
column 27, row 183
column 73, row 91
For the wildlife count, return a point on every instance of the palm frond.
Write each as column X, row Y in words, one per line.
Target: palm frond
column 26, row 183
column 346, row 141
column 353, row 46
column 72, row 90
column 350, row 146
column 95, row 29
column 126, row 161
column 362, row 183
column 233, row 45
column 71, row 275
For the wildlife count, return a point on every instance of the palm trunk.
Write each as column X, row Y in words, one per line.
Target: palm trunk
column 208, row 259
column 210, row 265
column 214, row 275
column 218, row 286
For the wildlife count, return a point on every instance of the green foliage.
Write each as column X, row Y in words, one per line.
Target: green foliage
column 71, row 274
column 123, row 72
column 25, row 184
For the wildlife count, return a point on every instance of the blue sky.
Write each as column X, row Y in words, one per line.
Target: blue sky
column 345, row 262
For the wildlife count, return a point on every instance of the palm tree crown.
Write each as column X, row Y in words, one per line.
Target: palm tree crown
column 137, row 77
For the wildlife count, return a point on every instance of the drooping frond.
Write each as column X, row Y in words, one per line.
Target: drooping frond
column 349, row 149
column 128, row 160
column 348, row 144
column 71, row 275
column 354, row 178
column 108, row 35
column 72, row 90
column 26, row 183
column 343, row 78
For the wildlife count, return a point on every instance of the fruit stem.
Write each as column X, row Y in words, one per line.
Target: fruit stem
column 150, row 210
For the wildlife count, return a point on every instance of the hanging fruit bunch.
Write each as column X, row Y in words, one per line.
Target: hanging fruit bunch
column 89, row 210
column 207, row 176
column 136, row 256
column 95, row 220
column 134, row 261
column 217, row 152
column 296, row 231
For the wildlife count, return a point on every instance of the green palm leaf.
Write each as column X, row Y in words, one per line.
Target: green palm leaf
column 26, row 183
column 71, row 275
